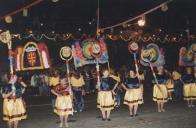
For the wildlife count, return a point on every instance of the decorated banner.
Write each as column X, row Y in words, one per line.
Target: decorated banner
column 153, row 55
column 187, row 57
column 89, row 52
column 32, row 56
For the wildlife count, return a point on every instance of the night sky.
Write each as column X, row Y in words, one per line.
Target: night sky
column 69, row 15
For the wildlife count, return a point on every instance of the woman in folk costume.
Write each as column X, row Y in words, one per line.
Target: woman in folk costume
column 189, row 87
column 160, row 93
column 106, row 99
column 13, row 104
column 63, row 105
column 78, row 83
column 133, row 92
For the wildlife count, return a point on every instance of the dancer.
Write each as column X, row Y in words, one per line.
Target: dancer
column 160, row 93
column 189, row 87
column 106, row 99
column 63, row 105
column 13, row 104
column 133, row 93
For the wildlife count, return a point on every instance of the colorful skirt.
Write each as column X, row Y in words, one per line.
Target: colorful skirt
column 170, row 86
column 106, row 100
column 14, row 110
column 63, row 105
column 189, row 91
column 160, row 93
column 133, row 96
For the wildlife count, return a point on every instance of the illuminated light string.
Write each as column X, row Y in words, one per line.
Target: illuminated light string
column 137, row 17
column 150, row 38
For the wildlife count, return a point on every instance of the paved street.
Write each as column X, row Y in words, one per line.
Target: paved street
column 177, row 115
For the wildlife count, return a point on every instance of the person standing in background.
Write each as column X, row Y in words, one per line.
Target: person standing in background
column 77, row 83
column 178, row 85
column 54, row 80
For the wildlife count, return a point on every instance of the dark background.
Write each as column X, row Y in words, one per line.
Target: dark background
column 70, row 15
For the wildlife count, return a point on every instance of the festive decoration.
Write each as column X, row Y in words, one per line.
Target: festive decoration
column 133, row 48
column 35, row 2
column 8, row 19
column 164, row 7
column 152, row 55
column 25, row 12
column 83, row 56
column 141, row 22
column 66, row 53
column 187, row 57
column 32, row 56
column 87, row 44
column 137, row 17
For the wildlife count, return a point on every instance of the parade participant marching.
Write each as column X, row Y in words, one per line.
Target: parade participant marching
column 78, row 83
column 189, row 87
column 160, row 93
column 13, row 104
column 63, row 105
column 133, row 93
column 106, row 99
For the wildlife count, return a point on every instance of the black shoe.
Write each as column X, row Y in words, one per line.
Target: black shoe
column 131, row 115
column 103, row 119
column 109, row 119
column 136, row 115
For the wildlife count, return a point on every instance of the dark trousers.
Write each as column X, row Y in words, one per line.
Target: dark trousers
column 178, row 91
column 79, row 100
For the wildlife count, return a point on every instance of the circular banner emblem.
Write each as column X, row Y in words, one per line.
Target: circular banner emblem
column 133, row 47
column 66, row 53
column 150, row 54
column 96, row 50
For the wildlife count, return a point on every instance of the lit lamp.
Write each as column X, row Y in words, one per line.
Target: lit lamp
column 55, row 1
column 141, row 22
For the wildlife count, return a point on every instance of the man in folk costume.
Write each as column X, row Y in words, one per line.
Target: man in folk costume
column 13, row 104
column 133, row 92
column 63, row 105
column 160, row 92
column 189, row 87
column 106, row 100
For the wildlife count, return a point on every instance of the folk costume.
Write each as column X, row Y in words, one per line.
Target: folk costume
column 160, row 92
column 106, row 99
column 13, row 106
column 189, row 88
column 63, row 104
column 133, row 93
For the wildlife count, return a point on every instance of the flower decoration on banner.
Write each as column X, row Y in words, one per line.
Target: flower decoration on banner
column 82, row 52
column 31, row 57
column 187, row 57
column 152, row 54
